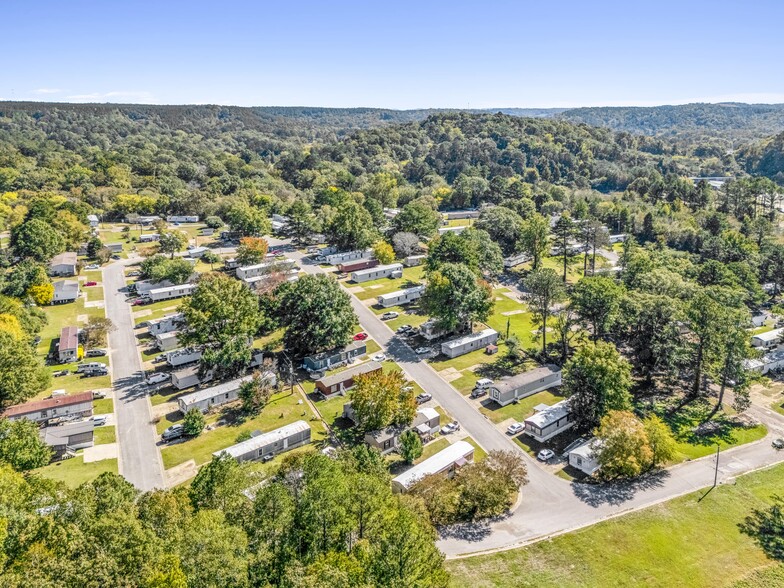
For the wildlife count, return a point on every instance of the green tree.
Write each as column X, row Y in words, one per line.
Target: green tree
column 351, row 227
column 419, row 218
column 317, row 314
column 36, row 240
column 302, row 222
column 380, row 399
column 383, row 252
column 213, row 553
column 255, row 393
column 21, row 446
column 171, row 242
column 97, row 330
column 597, row 380
column 219, row 485
column 489, row 258
column 94, row 245
column 597, row 300
column 455, row 297
column 660, row 440
column 247, row 220
column 450, row 248
column 624, row 449
column 535, row 238
column 252, row 250
column 23, row 276
column 504, row 226
column 193, row 423
column 22, row 375
column 766, row 527
column 410, row 446
column 564, row 231
column 546, row 289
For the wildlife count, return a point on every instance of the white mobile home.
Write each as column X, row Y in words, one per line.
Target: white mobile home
column 469, row 343
column 549, row 421
column 515, row 260
column 183, row 356
column 197, row 252
column 272, row 443
column 260, row 269
column 149, row 238
column 93, row 220
column 166, row 324
column 401, row 296
column 413, row 260
column 455, row 230
column 336, row 258
column 115, row 247
column 144, row 286
column 444, row 462
column 63, row 264
column 182, row 219
column 74, row 405
column 167, row 341
column 211, row 397
column 158, row 294
column 462, row 214
column 65, row 291
column 585, row 457
column 768, row 339
column 522, row 385
column 375, row 273
column 619, row 238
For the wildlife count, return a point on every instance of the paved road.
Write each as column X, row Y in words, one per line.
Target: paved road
column 140, row 461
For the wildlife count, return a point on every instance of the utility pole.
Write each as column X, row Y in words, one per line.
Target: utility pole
column 716, row 472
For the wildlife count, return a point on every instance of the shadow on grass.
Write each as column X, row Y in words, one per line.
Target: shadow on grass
column 689, row 425
column 617, row 493
column 471, row 531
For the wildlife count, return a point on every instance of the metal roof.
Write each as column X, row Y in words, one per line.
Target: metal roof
column 65, row 258
column 550, row 415
column 69, row 338
column 515, row 382
column 47, row 403
column 437, row 463
column 460, row 341
column 256, row 443
column 213, row 391
column 350, row 373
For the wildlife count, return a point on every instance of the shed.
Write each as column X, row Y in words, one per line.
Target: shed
column 74, row 405
column 65, row 291
column 375, row 273
column 63, row 264
column 334, row 357
column 549, row 421
column 400, row 297
column 272, row 443
column 444, row 462
column 167, row 341
column 584, row 457
column 68, row 345
column 213, row 396
column 469, row 343
column 522, row 385
column 342, row 381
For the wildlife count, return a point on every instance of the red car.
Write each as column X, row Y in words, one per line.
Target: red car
column 137, row 302
column 91, row 283
column 360, row 336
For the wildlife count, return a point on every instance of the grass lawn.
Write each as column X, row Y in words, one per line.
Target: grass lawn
column 94, row 293
column 105, row 434
column 664, row 546
column 520, row 411
column 157, row 310
column 74, row 472
column 408, row 315
column 103, row 406
column 281, row 410
column 412, row 276
column 432, row 448
column 271, row 342
column 479, row 453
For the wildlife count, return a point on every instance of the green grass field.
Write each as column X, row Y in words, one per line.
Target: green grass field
column 412, row 276
column 105, row 434
column 74, row 472
column 520, row 411
column 103, row 406
column 686, row 542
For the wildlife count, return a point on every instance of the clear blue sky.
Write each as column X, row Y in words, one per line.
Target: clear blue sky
column 400, row 54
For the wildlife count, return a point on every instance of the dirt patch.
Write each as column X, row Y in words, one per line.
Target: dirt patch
column 101, row 452
column 356, row 289
column 82, row 318
column 161, row 410
column 141, row 313
column 181, row 473
column 94, row 304
column 513, row 312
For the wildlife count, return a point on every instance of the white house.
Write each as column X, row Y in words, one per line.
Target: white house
column 167, row 341
column 260, row 269
column 272, row 443
column 455, row 230
column 149, row 237
column 92, row 220
column 549, row 421
column 182, row 218
column 188, row 377
column 400, row 297
column 585, row 457
column 115, row 247
column 444, row 462
column 69, row 405
column 378, row 272
column 469, row 343
column 171, row 292
column 767, row 339
column 197, row 252
column 68, row 345
column 336, row 258
column 413, row 260
column 516, row 387
column 63, row 264
column 166, row 324
column 183, row 356
column 65, row 291
column 211, row 397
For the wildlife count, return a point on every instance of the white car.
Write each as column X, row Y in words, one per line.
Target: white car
column 545, row 455
column 158, row 378
column 98, row 421
column 515, row 428
column 450, row 428
column 422, row 350
column 92, row 266
column 379, row 357
column 388, row 316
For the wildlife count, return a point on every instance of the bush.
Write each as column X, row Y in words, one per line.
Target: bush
column 193, row 423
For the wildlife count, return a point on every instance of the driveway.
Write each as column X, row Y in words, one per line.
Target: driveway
column 140, row 461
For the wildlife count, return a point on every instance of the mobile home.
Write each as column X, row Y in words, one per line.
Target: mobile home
column 413, row 260
column 768, row 339
column 172, row 292
column 260, row 269
column 272, row 443
column 455, row 230
column 68, row 345
column 74, row 405
column 211, row 397
column 469, row 343
column 334, row 357
column 149, row 238
column 68, row 437
column 347, row 268
column 63, row 264
column 515, row 260
column 375, row 273
column 522, row 385
column 166, row 324
column 462, row 214
column 342, row 381
column 346, row 256
column 400, row 297
column 444, row 462
column 65, row 291
column 167, row 341
column 183, row 356
column 549, row 421
column 182, row 219
column 197, row 252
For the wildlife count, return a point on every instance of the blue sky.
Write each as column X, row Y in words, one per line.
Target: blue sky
column 448, row 54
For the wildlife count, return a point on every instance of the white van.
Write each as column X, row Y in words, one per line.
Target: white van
column 484, row 383
column 90, row 365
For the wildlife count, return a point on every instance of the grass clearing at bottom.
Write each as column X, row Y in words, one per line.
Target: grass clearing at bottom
column 74, row 472
column 686, row 542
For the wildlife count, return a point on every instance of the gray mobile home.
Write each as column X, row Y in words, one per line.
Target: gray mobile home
column 211, row 397
column 336, row 258
column 158, row 294
column 272, row 443
column 525, row 384
column 375, row 273
column 188, row 377
column 469, row 343
column 334, row 357
column 401, row 296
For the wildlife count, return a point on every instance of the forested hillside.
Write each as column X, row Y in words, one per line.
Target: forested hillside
column 765, row 158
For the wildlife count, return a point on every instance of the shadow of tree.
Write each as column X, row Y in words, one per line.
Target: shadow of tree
column 617, row 493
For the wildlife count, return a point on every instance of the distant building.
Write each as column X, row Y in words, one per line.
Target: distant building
column 116, row 247
column 413, row 260
column 272, row 443
column 455, row 230
column 65, row 291
column 197, row 252
column 182, row 218
column 92, row 220
column 75, row 405
column 462, row 214
column 63, row 264
column 68, row 345
column 445, row 462
column 171, row 292
column 260, row 269
column 767, row 339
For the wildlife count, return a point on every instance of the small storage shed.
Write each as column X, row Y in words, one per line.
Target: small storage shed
column 167, row 341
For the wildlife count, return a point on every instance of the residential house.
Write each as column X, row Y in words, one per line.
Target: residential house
column 188, row 377
column 378, row 272
column 212, row 397
column 166, row 324
column 400, row 297
column 342, row 381
column 74, row 405
column 68, row 437
column 549, row 421
column 68, row 345
column 63, row 264
column 65, row 291
column 171, row 292
column 115, row 247
column 469, row 343
column 272, row 443
column 334, row 357
column 336, row 258
column 413, row 260
column 426, row 423
column 445, row 462
column 585, row 457
column 522, row 385
column 767, row 339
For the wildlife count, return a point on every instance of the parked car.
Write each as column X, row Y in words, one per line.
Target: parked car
column 59, row 373
column 411, row 333
column 267, row 458
column 515, row 429
column 379, row 357
column 99, row 420
column 403, row 329
column 92, row 372
column 95, row 353
column 424, row 397
column 360, row 336
column 158, row 379
column 137, row 302
column 191, row 247
column 778, row 443
column 450, row 428
column 173, row 432
column 115, row 257
column 484, row 383
column 98, row 394
column 388, row 316
column 545, row 455
column 92, row 266
column 91, row 283
column 422, row 350
column 477, row 392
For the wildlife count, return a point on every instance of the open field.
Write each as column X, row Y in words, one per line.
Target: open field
column 74, row 471
column 105, row 434
column 663, row 546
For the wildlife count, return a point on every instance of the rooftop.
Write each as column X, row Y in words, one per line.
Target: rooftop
column 59, row 435
column 468, row 338
column 769, row 335
column 549, row 415
column 69, row 338
column 380, row 268
column 170, row 288
column 65, row 258
column 515, row 382
column 213, row 391
column 396, row 293
column 67, row 287
column 47, row 403
column 342, row 376
column 256, row 443
column 354, row 345
column 437, row 463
